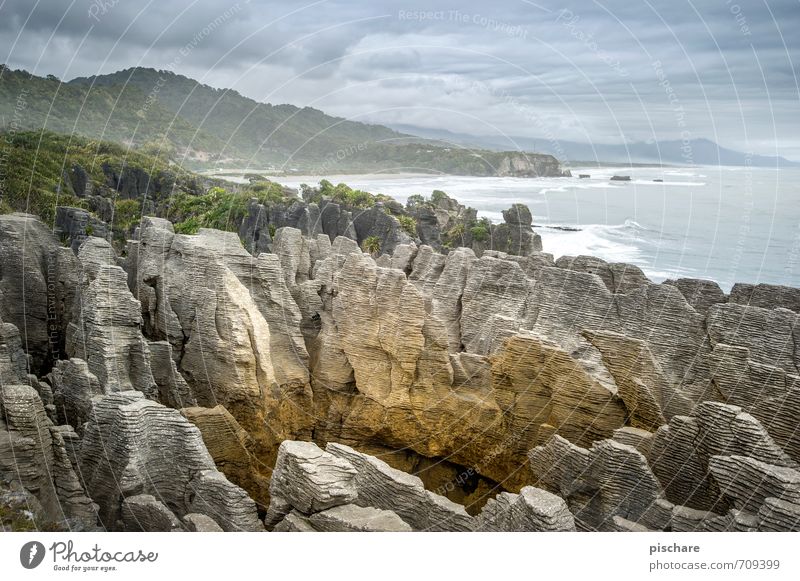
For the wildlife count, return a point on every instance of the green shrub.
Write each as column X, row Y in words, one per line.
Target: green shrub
column 415, row 200
column 457, row 231
column 372, row 245
column 437, row 196
column 479, row 233
column 126, row 214
column 408, row 224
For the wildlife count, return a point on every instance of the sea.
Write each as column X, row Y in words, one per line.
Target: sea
column 726, row 224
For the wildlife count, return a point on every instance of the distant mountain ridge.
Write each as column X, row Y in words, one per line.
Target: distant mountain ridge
column 700, row 151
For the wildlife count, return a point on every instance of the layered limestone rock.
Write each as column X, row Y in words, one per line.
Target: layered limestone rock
column 700, row 294
column 134, row 446
column 213, row 303
column 493, row 302
column 105, row 330
column 38, row 280
column 354, row 518
column 33, row 453
column 532, row 510
column 340, row 489
column 387, row 488
column 608, row 480
column 618, row 277
column 229, row 444
column 767, row 296
column 143, row 513
column 769, row 393
column 74, row 387
column 309, row 479
column 722, row 458
column 13, row 359
column 637, row 403
column 771, row 335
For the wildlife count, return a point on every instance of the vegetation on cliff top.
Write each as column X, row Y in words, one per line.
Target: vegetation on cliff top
column 40, row 171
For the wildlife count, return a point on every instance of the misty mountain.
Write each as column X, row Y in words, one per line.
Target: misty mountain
column 672, row 152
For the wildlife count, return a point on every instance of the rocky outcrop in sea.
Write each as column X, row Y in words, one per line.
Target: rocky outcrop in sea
column 284, row 379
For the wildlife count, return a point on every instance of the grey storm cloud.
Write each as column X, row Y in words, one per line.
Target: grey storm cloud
column 609, row 71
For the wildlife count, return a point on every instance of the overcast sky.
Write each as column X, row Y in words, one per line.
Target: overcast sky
column 585, row 71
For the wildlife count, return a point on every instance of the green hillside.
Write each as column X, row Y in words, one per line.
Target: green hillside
column 277, row 134
column 110, row 113
column 200, row 127
column 42, row 170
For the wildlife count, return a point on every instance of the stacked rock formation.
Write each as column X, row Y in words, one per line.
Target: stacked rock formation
column 552, row 394
column 340, row 489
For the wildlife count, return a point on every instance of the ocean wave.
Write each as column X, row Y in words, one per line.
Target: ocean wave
column 629, row 242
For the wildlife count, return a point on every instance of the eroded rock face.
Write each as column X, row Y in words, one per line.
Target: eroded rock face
column 38, row 279
column 768, row 296
column 532, row 510
column 340, row 489
column 384, row 487
column 310, row 479
column 134, row 446
column 609, row 479
column 33, row 452
column 636, row 403
column 105, row 330
column 213, row 303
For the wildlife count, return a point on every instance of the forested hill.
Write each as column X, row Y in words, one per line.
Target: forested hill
column 200, row 127
column 274, row 133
